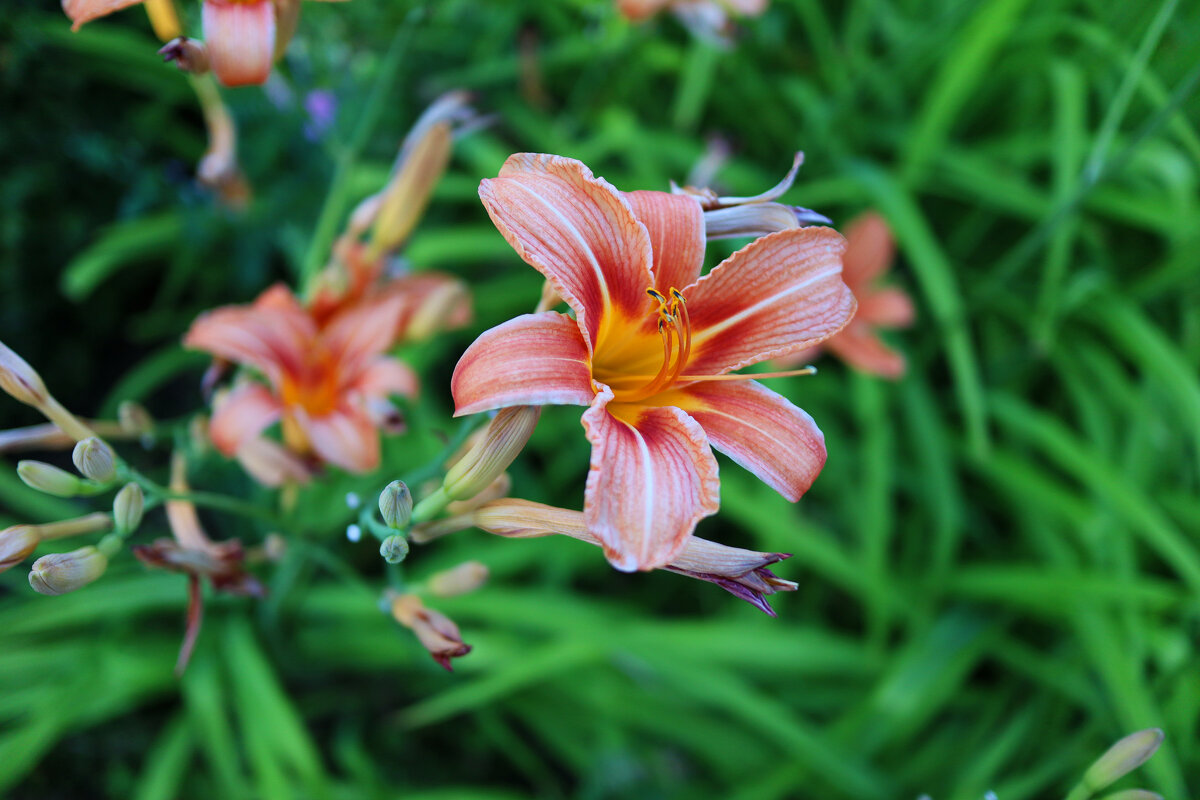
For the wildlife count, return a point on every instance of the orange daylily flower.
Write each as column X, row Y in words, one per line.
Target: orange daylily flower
column 329, row 385
column 651, row 360
column 243, row 37
column 870, row 249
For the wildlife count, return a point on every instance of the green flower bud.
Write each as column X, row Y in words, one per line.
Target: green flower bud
column 128, row 506
column 1122, row 758
column 49, row 479
column 94, row 459
column 394, row 549
column 17, row 544
column 59, row 573
column 395, row 504
column 501, row 442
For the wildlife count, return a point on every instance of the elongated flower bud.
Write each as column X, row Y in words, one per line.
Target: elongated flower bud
column 94, row 459
column 19, row 379
column 163, row 19
column 134, row 418
column 394, row 549
column 436, row 632
column 501, row 442
column 463, row 579
column 128, row 506
column 17, row 544
column 49, row 479
column 1122, row 758
column 59, row 573
column 395, row 504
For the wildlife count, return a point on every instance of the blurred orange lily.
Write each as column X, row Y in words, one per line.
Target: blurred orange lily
column 651, row 360
column 327, row 384
column 243, row 37
column 870, row 249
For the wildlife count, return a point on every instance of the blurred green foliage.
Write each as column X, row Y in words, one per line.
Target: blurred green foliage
column 999, row 566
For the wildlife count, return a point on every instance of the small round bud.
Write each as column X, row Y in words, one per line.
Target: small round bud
column 59, row 573
column 463, row 579
column 395, row 504
column 128, row 506
column 17, row 544
column 49, row 479
column 394, row 549
column 94, row 459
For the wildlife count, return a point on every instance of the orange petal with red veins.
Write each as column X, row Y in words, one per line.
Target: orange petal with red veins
column 273, row 339
column 869, row 250
column 346, row 437
column 888, row 308
column 779, row 294
column 860, row 347
column 241, row 40
column 360, row 333
column 760, row 430
column 532, row 360
column 244, row 413
column 653, row 477
column 387, row 376
column 81, row 11
column 676, row 227
column 579, row 232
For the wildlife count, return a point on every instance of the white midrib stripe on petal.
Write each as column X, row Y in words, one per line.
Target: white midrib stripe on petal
column 578, row 236
column 746, row 313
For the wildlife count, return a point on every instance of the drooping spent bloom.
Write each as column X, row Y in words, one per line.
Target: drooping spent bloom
column 243, row 37
column 870, row 249
column 706, row 18
column 437, row 633
column 757, row 215
column 653, row 361
column 742, row 573
column 328, row 385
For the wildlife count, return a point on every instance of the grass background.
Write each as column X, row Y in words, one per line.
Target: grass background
column 999, row 566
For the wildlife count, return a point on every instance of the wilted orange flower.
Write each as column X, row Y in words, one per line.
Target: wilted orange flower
column 652, row 360
column 243, row 37
column 869, row 252
column 329, row 385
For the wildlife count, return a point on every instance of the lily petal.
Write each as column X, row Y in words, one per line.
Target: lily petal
column 385, row 376
column 652, row 478
column 241, row 416
column 241, row 40
column 345, row 437
column 889, row 308
column 760, row 430
column 777, row 295
column 273, row 339
column 272, row 464
column 676, row 227
column 81, row 11
column 869, row 249
column 860, row 347
column 361, row 332
column 579, row 232
column 534, row 359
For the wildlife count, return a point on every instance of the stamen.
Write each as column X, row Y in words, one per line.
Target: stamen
column 679, row 307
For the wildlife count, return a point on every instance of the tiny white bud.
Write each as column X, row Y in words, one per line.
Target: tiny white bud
column 353, row 533
column 94, row 459
column 352, row 500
